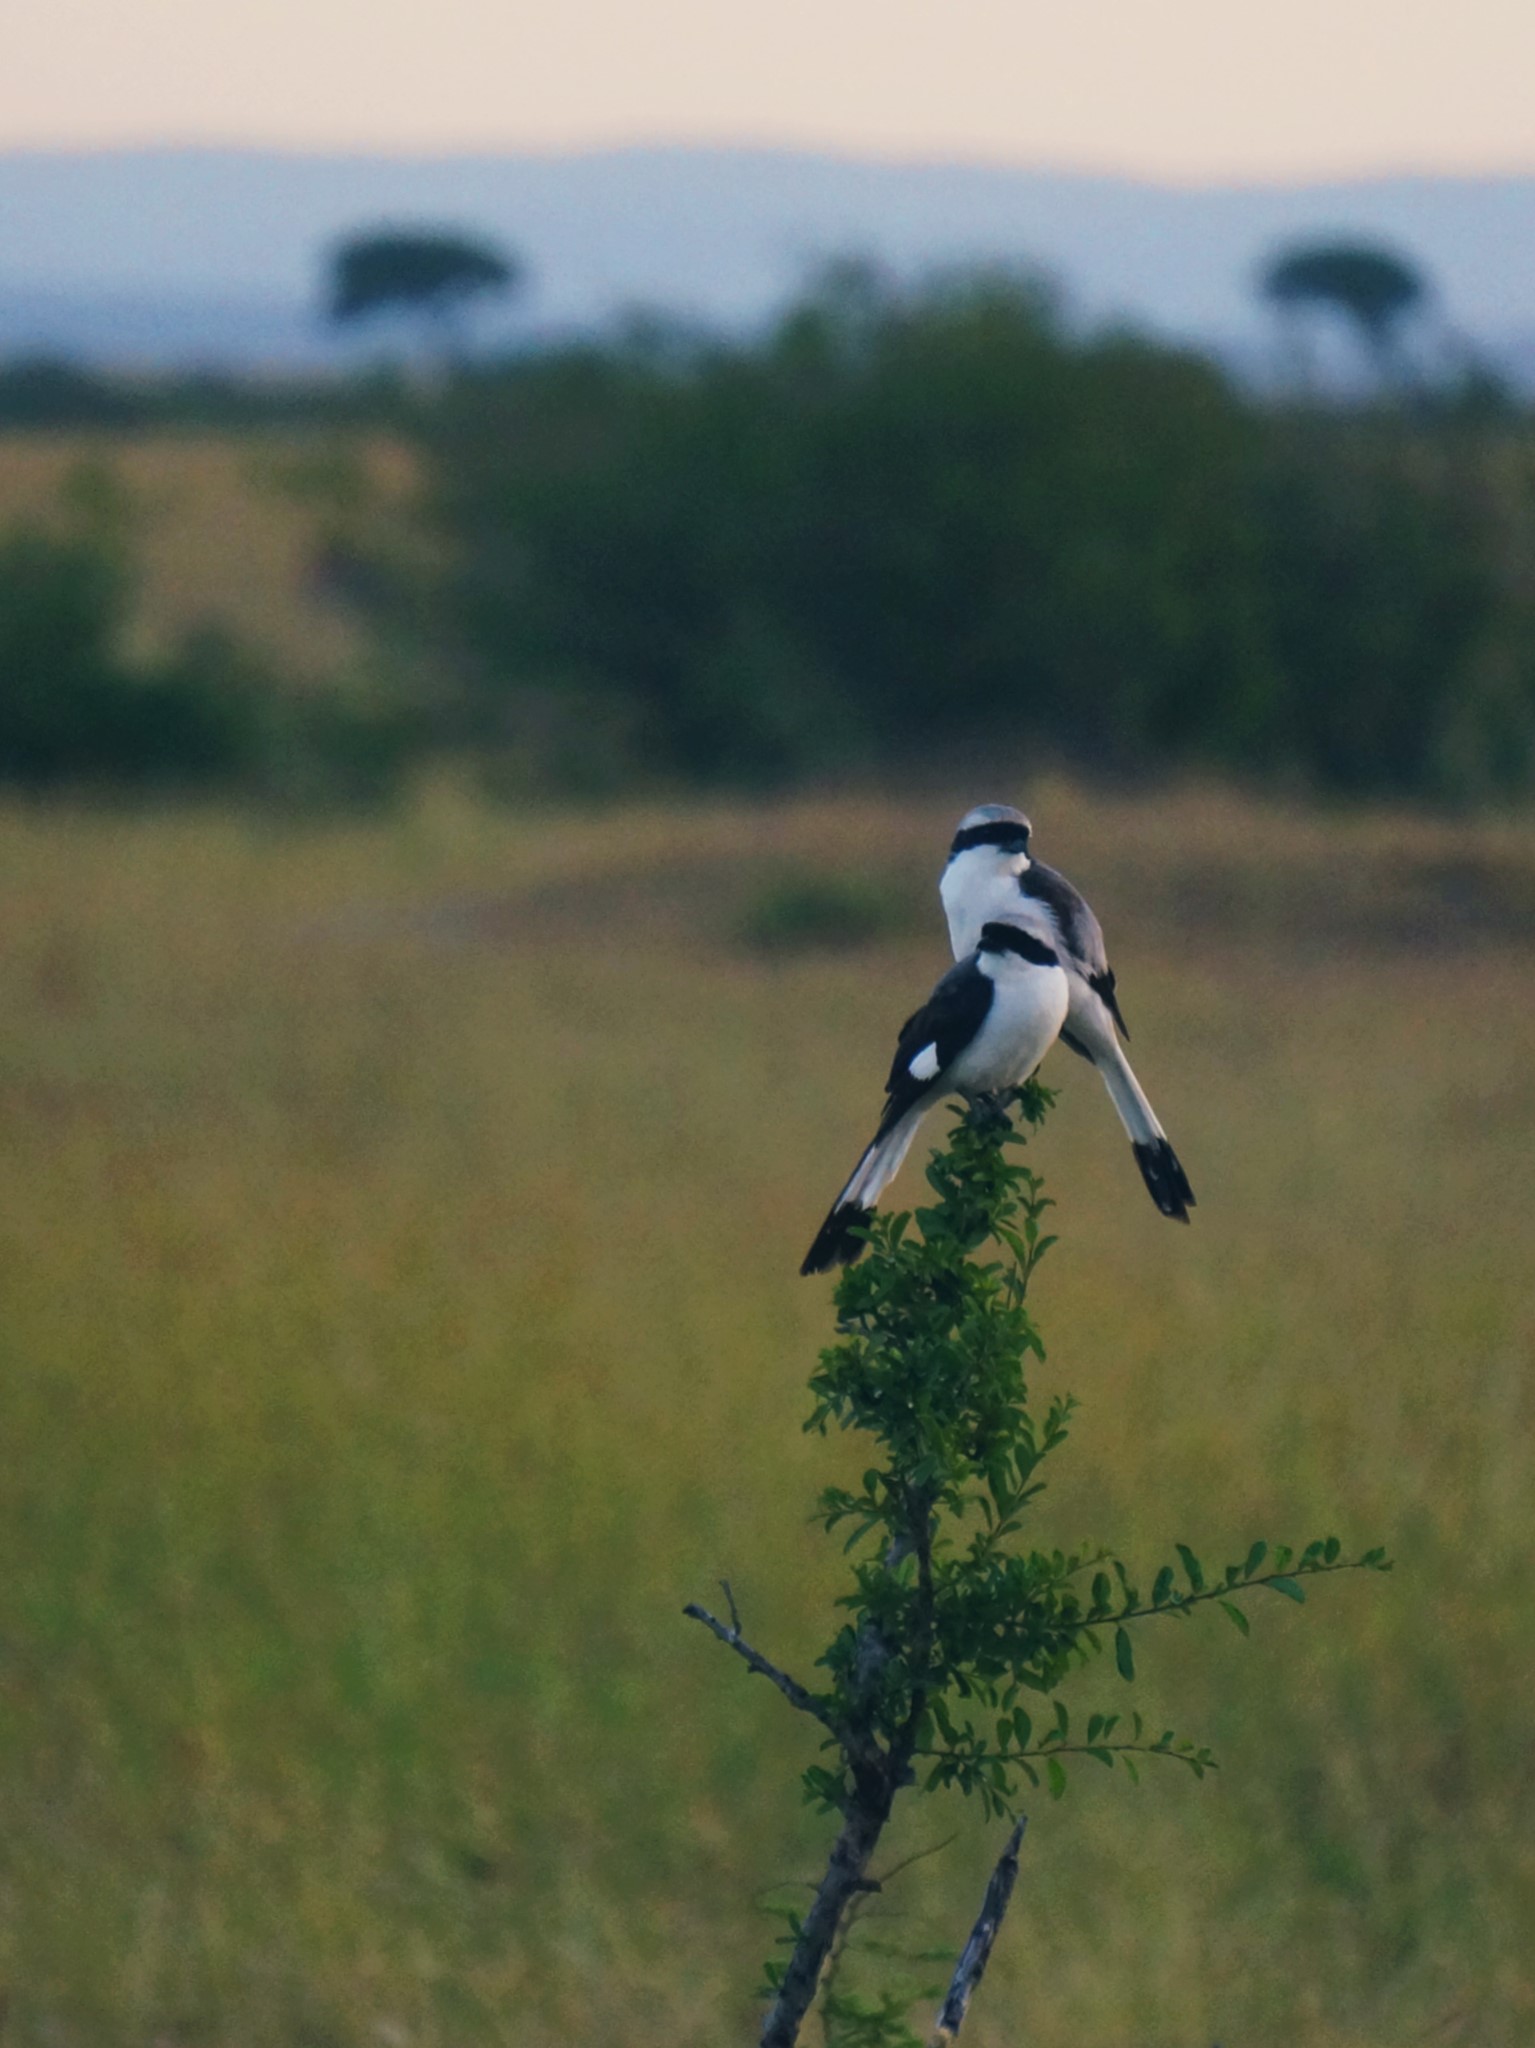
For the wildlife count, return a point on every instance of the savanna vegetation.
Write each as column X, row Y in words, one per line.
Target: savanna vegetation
column 898, row 526
column 399, row 1218
column 425, row 1049
column 176, row 614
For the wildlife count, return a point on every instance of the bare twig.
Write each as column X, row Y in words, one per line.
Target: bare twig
column 831, row 1970
column 792, row 1690
column 869, row 1889
column 916, row 1856
column 971, row 1967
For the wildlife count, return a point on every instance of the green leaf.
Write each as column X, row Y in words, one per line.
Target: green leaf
column 1124, row 1655
column 1162, row 1590
column 1192, row 1566
column 1289, row 1588
column 1255, row 1557
column 1235, row 1616
column 1057, row 1777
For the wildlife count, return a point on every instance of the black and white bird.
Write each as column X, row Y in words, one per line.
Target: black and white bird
column 984, row 1029
column 990, row 877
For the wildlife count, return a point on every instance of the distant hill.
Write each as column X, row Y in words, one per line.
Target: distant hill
column 158, row 256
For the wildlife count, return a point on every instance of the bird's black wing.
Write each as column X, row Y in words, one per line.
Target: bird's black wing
column 1081, row 933
column 942, row 1028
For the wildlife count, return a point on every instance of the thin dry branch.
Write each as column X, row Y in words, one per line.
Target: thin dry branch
column 870, row 1888
column 792, row 1690
column 977, row 1952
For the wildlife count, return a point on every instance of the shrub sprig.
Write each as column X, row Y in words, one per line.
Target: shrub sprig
column 955, row 1636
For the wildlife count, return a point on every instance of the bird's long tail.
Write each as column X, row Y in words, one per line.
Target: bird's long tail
column 835, row 1243
column 1166, row 1181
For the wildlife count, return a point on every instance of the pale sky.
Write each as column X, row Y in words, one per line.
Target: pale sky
column 1188, row 90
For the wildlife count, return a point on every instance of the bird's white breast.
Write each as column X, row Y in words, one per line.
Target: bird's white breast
column 979, row 887
column 1028, row 1008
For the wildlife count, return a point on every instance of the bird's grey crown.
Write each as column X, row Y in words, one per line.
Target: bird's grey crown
column 992, row 825
column 992, row 814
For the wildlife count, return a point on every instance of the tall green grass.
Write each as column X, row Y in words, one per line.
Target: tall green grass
column 399, row 1226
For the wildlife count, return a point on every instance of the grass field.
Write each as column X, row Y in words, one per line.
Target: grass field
column 399, row 1224
column 223, row 530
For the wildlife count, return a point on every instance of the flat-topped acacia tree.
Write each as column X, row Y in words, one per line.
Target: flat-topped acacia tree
column 428, row 275
column 956, row 1637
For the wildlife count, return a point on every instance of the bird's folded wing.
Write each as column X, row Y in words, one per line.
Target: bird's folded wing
column 1081, row 933
column 934, row 1036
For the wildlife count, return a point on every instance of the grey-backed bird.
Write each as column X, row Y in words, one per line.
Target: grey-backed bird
column 991, row 876
column 984, row 1029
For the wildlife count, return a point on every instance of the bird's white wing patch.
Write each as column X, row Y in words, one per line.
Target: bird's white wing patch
column 924, row 1065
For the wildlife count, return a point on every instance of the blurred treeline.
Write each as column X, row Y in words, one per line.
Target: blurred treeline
column 903, row 526
column 77, row 709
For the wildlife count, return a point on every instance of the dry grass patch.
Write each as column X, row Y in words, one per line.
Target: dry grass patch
column 224, row 530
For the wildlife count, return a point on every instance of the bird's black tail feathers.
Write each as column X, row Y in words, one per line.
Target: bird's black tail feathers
column 1166, row 1181
column 835, row 1243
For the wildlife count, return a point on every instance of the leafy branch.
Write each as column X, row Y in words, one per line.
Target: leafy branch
column 948, row 1623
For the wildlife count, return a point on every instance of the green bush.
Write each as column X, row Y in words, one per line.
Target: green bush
column 69, row 707
column 798, row 913
column 896, row 525
column 74, row 711
column 49, row 391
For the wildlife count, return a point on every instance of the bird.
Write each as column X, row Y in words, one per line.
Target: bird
column 990, row 875
column 984, row 1029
